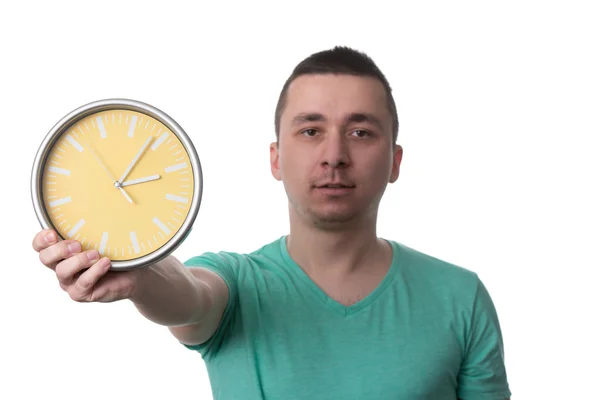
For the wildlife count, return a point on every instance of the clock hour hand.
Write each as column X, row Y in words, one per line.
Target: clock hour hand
column 135, row 159
column 140, row 180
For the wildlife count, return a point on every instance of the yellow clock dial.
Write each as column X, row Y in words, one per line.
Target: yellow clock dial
column 119, row 181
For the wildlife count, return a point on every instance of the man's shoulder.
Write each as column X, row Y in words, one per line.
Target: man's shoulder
column 424, row 266
column 266, row 253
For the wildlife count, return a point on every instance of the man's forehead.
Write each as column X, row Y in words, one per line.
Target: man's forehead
column 334, row 95
column 318, row 84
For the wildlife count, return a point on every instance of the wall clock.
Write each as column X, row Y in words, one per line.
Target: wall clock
column 119, row 176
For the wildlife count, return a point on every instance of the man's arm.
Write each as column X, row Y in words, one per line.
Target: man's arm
column 189, row 301
column 482, row 374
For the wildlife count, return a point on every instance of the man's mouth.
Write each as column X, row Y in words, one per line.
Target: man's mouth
column 335, row 186
column 335, row 189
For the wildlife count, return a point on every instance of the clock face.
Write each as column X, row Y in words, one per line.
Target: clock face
column 119, row 181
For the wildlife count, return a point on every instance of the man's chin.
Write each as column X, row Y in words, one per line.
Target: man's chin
column 331, row 219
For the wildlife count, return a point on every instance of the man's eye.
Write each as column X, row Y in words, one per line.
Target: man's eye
column 309, row 132
column 360, row 133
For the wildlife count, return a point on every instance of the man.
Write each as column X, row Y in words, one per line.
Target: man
column 329, row 311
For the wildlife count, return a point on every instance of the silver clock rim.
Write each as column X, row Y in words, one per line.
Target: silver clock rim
column 132, row 105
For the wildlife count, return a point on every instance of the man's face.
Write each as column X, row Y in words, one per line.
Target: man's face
column 336, row 153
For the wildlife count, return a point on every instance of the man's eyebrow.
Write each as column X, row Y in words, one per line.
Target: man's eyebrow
column 307, row 117
column 366, row 117
column 353, row 117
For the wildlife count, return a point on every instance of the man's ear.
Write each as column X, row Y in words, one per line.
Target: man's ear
column 275, row 170
column 398, row 153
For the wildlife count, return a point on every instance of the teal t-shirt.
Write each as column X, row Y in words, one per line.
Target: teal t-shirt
column 428, row 331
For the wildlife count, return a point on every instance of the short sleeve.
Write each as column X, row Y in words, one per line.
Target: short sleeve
column 221, row 264
column 482, row 375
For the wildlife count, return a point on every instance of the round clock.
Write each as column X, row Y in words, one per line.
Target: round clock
column 121, row 177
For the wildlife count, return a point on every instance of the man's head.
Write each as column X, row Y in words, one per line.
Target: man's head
column 342, row 61
column 336, row 130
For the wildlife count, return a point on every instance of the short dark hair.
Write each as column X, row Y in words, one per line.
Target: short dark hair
column 338, row 60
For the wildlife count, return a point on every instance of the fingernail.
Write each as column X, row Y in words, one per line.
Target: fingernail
column 92, row 255
column 50, row 237
column 74, row 247
column 105, row 263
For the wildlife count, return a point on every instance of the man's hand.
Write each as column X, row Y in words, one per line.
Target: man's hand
column 84, row 275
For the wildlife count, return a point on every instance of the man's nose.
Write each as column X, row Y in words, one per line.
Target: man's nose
column 335, row 152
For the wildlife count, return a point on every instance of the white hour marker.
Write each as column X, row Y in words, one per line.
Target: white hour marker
column 177, row 198
column 162, row 226
column 101, row 127
column 160, row 140
column 103, row 242
column 61, row 171
column 132, row 126
column 59, row 202
column 134, row 242
column 176, row 167
column 74, row 143
column 76, row 228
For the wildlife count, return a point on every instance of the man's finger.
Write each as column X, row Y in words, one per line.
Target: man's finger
column 58, row 252
column 43, row 239
column 67, row 270
column 83, row 288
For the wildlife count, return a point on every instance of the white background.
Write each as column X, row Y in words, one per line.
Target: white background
column 499, row 108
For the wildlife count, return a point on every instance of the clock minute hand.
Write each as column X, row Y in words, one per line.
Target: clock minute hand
column 140, row 180
column 135, row 160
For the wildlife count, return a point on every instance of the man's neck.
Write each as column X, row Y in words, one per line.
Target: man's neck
column 335, row 252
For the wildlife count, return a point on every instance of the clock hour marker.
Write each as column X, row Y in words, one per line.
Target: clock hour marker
column 176, row 198
column 74, row 143
column 132, row 126
column 176, row 167
column 103, row 242
column 162, row 226
column 59, row 202
column 61, row 171
column 101, row 127
column 160, row 140
column 134, row 242
column 76, row 228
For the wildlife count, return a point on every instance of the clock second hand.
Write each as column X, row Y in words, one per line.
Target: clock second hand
column 117, row 184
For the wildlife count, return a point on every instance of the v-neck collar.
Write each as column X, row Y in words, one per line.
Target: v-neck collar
column 325, row 298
